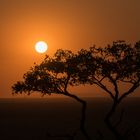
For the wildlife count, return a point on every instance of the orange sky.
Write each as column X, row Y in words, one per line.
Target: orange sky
column 66, row 24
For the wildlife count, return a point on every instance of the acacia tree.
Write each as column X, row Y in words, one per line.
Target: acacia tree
column 116, row 65
column 53, row 76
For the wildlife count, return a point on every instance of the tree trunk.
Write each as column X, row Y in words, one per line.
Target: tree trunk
column 83, row 114
column 109, row 124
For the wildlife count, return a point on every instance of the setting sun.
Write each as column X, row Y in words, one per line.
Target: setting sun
column 41, row 47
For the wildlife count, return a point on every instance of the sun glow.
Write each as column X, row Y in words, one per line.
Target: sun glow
column 41, row 47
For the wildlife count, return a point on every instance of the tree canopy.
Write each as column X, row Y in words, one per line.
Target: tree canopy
column 118, row 64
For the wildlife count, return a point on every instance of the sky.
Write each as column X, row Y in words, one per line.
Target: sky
column 65, row 24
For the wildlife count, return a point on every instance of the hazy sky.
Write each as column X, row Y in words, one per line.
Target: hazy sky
column 66, row 24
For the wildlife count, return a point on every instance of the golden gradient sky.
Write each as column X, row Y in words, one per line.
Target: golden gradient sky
column 66, row 24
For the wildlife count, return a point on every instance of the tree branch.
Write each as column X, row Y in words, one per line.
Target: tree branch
column 99, row 83
column 102, row 79
column 114, row 82
column 131, row 90
column 66, row 84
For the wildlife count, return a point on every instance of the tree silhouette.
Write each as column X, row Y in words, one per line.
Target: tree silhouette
column 114, row 65
column 109, row 68
column 53, row 76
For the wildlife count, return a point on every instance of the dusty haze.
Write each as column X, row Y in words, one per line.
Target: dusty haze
column 66, row 24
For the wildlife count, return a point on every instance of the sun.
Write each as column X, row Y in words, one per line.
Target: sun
column 41, row 47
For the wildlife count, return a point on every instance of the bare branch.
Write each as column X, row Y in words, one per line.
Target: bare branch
column 114, row 82
column 103, row 87
column 130, row 91
column 102, row 78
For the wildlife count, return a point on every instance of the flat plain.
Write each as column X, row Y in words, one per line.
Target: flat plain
column 59, row 118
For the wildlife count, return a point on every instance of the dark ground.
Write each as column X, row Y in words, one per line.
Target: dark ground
column 34, row 119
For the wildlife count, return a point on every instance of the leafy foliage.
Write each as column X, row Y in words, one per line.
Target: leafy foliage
column 119, row 62
column 116, row 63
